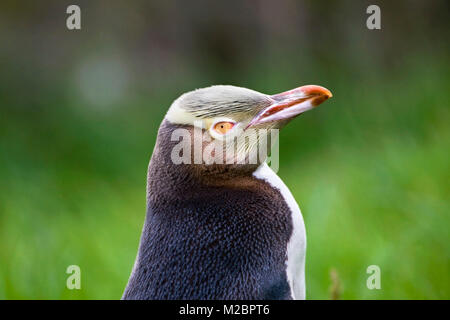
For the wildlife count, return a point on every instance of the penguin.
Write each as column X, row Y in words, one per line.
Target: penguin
column 227, row 230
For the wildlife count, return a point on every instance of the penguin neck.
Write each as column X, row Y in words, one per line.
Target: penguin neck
column 166, row 179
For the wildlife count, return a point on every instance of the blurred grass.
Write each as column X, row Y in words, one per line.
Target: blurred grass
column 369, row 169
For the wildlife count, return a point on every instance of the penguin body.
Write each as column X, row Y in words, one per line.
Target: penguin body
column 217, row 231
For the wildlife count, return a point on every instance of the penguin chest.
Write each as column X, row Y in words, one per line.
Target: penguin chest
column 296, row 247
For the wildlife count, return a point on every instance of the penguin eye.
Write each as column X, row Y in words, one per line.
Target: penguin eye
column 223, row 127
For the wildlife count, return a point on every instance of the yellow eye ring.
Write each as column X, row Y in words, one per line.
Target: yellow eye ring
column 223, row 127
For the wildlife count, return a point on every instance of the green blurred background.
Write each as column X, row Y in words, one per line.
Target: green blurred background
column 79, row 113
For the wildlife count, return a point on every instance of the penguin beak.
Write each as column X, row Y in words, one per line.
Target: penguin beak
column 289, row 104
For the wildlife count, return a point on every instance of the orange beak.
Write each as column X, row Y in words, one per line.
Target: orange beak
column 289, row 104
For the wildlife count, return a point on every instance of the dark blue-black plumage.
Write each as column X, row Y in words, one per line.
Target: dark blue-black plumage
column 210, row 233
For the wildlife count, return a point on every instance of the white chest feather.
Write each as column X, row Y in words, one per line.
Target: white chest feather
column 296, row 248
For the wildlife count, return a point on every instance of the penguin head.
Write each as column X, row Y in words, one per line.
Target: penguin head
column 226, row 114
